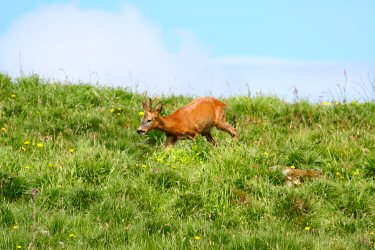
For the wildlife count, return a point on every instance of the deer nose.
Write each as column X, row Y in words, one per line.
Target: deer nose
column 140, row 131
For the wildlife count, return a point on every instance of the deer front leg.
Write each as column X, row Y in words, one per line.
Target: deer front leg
column 171, row 141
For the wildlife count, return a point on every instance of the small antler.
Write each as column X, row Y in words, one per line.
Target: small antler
column 144, row 102
column 151, row 101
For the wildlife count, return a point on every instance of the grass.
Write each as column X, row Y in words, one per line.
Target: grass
column 121, row 190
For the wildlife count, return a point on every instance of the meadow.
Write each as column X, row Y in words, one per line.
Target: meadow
column 75, row 174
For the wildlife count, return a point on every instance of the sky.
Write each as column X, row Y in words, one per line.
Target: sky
column 195, row 47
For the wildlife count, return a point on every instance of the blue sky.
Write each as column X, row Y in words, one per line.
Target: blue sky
column 289, row 29
column 235, row 37
column 342, row 30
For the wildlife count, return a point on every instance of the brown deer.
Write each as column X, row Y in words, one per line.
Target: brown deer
column 197, row 117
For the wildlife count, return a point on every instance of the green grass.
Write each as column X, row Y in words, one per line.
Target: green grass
column 101, row 195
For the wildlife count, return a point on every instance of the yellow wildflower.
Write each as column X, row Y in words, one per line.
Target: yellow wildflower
column 372, row 233
column 337, row 173
column 112, row 110
column 71, row 150
column 141, row 113
column 356, row 173
column 237, row 124
column 23, row 148
column 27, row 167
column 13, row 96
column 15, row 227
column 26, row 142
column 342, row 177
column 3, row 113
column 197, row 237
column 126, row 228
column 183, row 140
column 307, row 228
column 266, row 154
column 59, row 186
column 324, row 103
column 144, row 166
column 336, row 103
column 118, row 114
column 19, row 247
column 60, row 166
column 92, row 105
column 159, row 159
column 329, row 104
column 292, row 167
column 39, row 145
column 3, row 129
column 118, row 108
column 174, row 167
column 49, row 165
column 72, row 235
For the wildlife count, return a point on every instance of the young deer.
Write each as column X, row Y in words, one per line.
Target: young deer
column 197, row 117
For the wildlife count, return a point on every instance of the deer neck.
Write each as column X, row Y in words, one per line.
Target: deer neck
column 167, row 125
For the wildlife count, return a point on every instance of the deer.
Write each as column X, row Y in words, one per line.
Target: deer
column 196, row 118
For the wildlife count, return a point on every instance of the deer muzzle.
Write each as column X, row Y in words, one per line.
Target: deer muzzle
column 141, row 132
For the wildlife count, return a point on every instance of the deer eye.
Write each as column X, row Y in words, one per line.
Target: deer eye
column 149, row 120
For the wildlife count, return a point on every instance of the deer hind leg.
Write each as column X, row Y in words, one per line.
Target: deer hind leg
column 171, row 141
column 221, row 124
column 209, row 138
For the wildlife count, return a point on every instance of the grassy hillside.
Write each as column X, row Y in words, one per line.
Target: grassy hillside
column 101, row 185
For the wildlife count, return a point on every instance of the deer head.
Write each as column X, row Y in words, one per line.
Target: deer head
column 149, row 119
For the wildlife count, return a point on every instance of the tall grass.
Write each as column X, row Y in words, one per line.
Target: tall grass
column 101, row 185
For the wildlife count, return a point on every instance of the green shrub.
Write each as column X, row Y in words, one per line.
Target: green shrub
column 12, row 187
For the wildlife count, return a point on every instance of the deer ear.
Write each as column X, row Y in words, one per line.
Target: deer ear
column 158, row 107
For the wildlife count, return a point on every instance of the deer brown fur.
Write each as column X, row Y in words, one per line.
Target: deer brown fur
column 197, row 117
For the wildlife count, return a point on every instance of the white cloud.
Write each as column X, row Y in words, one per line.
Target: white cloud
column 125, row 48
